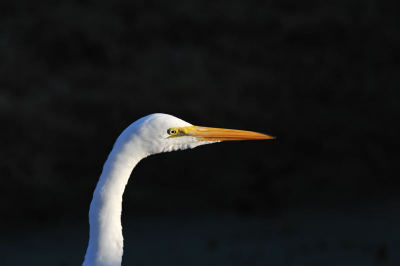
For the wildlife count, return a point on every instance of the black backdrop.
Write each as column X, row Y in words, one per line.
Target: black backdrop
column 320, row 75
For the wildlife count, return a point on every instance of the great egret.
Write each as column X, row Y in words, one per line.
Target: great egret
column 149, row 135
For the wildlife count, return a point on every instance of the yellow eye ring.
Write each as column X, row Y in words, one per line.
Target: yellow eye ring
column 173, row 131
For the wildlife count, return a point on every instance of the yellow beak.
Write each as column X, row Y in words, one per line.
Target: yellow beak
column 221, row 134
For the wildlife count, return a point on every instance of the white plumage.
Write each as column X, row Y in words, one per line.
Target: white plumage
column 149, row 135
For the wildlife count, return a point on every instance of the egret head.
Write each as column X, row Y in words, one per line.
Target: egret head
column 158, row 133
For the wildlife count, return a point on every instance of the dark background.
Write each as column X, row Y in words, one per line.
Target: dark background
column 320, row 75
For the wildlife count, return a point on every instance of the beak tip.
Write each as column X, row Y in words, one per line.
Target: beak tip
column 270, row 137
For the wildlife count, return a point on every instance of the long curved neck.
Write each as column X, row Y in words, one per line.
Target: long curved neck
column 106, row 241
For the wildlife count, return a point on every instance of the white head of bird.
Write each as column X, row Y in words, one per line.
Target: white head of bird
column 149, row 135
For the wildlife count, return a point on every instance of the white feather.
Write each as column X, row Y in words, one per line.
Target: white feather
column 144, row 137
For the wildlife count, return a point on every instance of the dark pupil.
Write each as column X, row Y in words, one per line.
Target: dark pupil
column 173, row 131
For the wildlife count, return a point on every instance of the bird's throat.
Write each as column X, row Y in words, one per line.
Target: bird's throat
column 106, row 241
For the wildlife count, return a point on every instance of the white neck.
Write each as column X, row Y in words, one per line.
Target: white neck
column 106, row 240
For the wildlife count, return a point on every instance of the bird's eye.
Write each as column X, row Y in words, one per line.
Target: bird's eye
column 172, row 131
